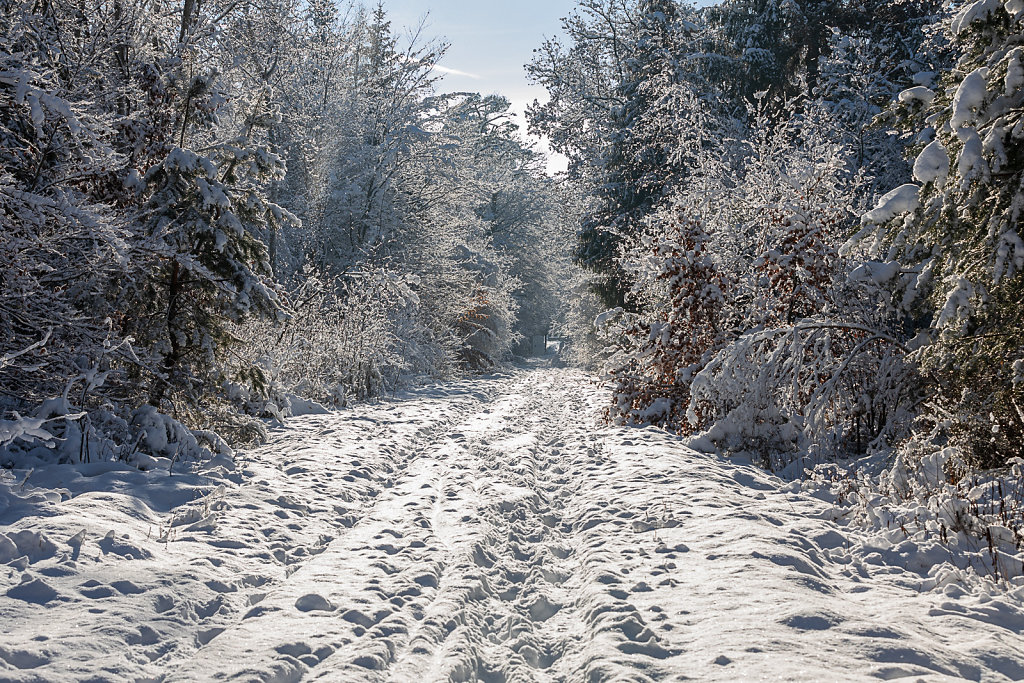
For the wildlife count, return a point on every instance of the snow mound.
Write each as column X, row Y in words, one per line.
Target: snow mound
column 903, row 199
column 918, row 93
column 1014, row 80
column 932, row 164
column 971, row 160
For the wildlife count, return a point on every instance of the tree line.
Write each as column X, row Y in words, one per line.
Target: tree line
column 803, row 231
column 215, row 210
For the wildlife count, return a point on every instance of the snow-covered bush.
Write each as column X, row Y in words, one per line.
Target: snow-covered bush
column 57, row 431
column 817, row 386
column 927, row 507
column 796, row 271
column 681, row 295
column 794, row 355
column 345, row 340
column 162, row 436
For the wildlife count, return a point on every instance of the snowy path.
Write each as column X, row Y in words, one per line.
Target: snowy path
column 483, row 531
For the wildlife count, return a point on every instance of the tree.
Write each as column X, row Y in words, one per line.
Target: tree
column 956, row 231
column 204, row 218
column 64, row 242
column 635, row 168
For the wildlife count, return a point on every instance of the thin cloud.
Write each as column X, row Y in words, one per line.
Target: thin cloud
column 455, row 72
column 442, row 69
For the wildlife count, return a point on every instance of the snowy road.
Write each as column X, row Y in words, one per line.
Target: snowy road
column 487, row 530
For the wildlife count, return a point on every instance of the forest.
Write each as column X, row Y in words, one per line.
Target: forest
column 788, row 229
column 802, row 228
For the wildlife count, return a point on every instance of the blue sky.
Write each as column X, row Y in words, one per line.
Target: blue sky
column 490, row 41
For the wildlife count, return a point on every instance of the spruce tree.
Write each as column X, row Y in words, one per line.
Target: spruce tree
column 959, row 235
column 203, row 219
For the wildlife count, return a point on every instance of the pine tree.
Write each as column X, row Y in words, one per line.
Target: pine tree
column 957, row 232
column 762, row 46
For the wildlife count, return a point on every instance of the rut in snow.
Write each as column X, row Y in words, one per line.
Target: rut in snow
column 489, row 530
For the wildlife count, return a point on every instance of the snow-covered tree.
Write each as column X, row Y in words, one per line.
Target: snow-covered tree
column 956, row 232
column 64, row 244
column 636, row 165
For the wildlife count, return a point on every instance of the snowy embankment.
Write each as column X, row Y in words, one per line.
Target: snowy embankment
column 486, row 530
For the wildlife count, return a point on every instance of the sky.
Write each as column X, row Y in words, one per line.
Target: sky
column 491, row 41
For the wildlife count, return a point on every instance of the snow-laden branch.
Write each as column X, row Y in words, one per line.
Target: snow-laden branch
column 7, row 358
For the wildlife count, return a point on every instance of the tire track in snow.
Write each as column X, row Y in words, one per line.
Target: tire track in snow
column 510, row 566
column 352, row 481
column 461, row 565
column 487, row 531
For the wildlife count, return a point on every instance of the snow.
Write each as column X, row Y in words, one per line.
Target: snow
column 924, row 77
column 875, row 272
column 975, row 11
column 901, row 200
column 490, row 529
column 918, row 93
column 166, row 437
column 969, row 98
column 1009, row 255
column 957, row 307
column 604, row 318
column 971, row 155
column 1014, row 80
column 27, row 428
column 932, row 164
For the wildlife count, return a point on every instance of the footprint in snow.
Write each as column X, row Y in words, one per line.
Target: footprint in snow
column 22, row 659
column 127, row 588
column 811, row 622
column 205, row 636
column 220, row 586
column 163, row 603
column 95, row 590
column 145, row 635
column 112, row 545
column 311, row 602
column 33, row 590
column 543, row 609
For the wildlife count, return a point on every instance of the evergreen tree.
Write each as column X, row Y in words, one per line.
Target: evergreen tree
column 957, row 233
column 204, row 218
column 763, row 46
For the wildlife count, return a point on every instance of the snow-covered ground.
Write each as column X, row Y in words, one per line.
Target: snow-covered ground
column 485, row 530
